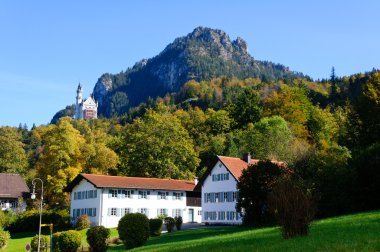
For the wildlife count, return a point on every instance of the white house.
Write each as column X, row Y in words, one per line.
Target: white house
column 219, row 193
column 105, row 199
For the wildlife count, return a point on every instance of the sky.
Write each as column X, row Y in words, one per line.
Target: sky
column 48, row 47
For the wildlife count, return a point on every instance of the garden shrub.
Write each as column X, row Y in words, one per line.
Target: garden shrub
column 29, row 220
column 178, row 222
column 69, row 241
column 4, row 238
column 169, row 223
column 97, row 238
column 133, row 230
column 56, row 244
column 155, row 227
column 44, row 243
column 293, row 209
column 7, row 218
column 82, row 222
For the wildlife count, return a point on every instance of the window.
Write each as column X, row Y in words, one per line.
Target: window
column 230, row 215
column 144, row 211
column 177, row 212
column 114, row 211
column 216, row 197
column 199, row 212
column 144, row 194
column 127, row 211
column 225, row 196
column 234, row 196
column 112, row 193
column 162, row 211
column 177, row 196
column 128, row 194
column 221, row 215
column 162, row 195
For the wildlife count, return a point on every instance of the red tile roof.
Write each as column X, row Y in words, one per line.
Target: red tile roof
column 237, row 165
column 12, row 186
column 102, row 181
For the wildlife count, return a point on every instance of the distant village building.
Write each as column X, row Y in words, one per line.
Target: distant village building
column 85, row 109
column 12, row 190
column 105, row 199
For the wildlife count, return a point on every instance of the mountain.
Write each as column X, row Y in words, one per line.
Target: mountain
column 201, row 55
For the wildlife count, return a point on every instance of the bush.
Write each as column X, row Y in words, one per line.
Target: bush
column 83, row 222
column 169, row 223
column 7, row 218
column 56, row 237
column 29, row 220
column 155, row 227
column 178, row 222
column 133, row 230
column 4, row 238
column 44, row 243
column 97, row 238
column 69, row 241
column 292, row 208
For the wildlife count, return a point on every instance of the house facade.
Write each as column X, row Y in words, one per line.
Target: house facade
column 12, row 192
column 105, row 199
column 219, row 193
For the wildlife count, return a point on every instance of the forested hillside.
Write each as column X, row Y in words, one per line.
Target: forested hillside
column 327, row 132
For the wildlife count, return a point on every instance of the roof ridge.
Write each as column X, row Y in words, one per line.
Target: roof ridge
column 169, row 179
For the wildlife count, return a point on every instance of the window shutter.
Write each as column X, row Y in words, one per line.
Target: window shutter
column 109, row 193
column 173, row 212
column 94, row 211
column 140, row 194
column 148, row 194
column 158, row 195
column 173, row 196
column 139, row 210
column 158, row 211
column 118, row 211
column 95, row 193
column 147, row 212
column 182, row 196
column 132, row 191
column 109, row 212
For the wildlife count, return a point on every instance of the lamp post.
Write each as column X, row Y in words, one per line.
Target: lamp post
column 33, row 196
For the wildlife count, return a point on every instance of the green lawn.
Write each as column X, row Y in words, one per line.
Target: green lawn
column 358, row 232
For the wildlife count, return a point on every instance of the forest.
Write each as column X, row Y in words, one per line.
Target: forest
column 327, row 131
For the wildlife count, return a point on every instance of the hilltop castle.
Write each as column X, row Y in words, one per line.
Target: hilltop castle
column 85, row 109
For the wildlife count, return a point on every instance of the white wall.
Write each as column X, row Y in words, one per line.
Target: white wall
column 104, row 202
column 210, row 186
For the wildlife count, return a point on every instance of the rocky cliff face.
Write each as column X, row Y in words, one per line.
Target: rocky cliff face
column 201, row 55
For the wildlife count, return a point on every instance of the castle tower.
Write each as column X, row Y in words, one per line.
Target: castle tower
column 78, row 104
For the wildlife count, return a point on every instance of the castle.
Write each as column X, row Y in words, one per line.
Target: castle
column 85, row 109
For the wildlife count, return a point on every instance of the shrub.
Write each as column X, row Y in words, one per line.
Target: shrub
column 292, row 208
column 97, row 238
column 7, row 218
column 4, row 238
column 69, row 241
column 178, row 222
column 29, row 220
column 44, row 243
column 56, row 237
column 155, row 227
column 133, row 230
column 169, row 223
column 83, row 222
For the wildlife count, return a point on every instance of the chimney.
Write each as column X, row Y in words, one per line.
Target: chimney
column 196, row 180
column 247, row 158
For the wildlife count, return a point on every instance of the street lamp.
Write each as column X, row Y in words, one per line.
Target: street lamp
column 33, row 196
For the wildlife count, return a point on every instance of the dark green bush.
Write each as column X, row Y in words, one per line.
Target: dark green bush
column 29, row 220
column 169, row 223
column 155, row 227
column 133, row 230
column 44, row 243
column 83, row 222
column 69, row 241
column 56, row 237
column 7, row 218
column 178, row 222
column 4, row 238
column 97, row 238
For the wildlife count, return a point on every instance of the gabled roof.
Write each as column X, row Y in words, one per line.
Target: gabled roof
column 89, row 101
column 105, row 181
column 234, row 165
column 12, row 186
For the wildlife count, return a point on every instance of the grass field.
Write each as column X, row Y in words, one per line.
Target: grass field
column 358, row 232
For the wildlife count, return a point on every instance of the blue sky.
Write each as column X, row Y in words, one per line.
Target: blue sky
column 47, row 47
